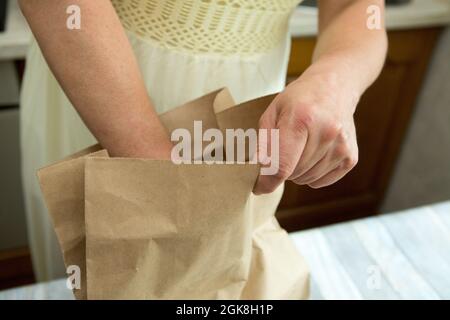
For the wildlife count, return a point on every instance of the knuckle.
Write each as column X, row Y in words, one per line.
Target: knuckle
column 332, row 131
column 304, row 117
column 343, row 137
column 342, row 151
column 306, row 120
column 350, row 162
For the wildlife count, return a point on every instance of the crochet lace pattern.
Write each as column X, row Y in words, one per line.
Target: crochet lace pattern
column 223, row 27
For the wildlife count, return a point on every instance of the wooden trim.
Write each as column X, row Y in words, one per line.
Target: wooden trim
column 305, row 217
column 15, row 268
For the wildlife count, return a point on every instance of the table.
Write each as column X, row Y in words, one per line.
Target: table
column 401, row 255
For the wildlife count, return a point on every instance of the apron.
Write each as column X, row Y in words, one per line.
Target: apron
column 185, row 49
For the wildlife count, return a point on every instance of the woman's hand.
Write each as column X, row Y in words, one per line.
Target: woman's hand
column 315, row 112
column 317, row 136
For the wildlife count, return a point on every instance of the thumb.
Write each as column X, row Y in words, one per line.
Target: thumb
column 283, row 155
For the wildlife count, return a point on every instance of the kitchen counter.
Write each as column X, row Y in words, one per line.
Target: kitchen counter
column 419, row 13
column 15, row 39
column 416, row 14
column 402, row 255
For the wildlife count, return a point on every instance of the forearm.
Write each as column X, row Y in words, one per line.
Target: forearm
column 346, row 46
column 97, row 70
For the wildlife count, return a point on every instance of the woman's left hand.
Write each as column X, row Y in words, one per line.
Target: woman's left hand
column 317, row 138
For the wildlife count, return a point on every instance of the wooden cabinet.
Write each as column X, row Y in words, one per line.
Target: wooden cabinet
column 381, row 120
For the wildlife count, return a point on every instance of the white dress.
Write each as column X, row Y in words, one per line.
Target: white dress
column 242, row 45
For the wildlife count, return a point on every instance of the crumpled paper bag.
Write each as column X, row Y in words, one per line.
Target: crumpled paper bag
column 151, row 229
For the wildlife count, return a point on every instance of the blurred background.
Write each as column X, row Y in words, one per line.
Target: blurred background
column 403, row 124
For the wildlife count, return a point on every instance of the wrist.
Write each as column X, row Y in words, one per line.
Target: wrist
column 336, row 75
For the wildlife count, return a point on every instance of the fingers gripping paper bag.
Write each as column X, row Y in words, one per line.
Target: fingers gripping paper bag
column 277, row 270
column 151, row 229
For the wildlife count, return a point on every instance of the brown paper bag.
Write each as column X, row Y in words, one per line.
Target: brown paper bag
column 63, row 187
column 277, row 270
column 159, row 230
column 156, row 230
